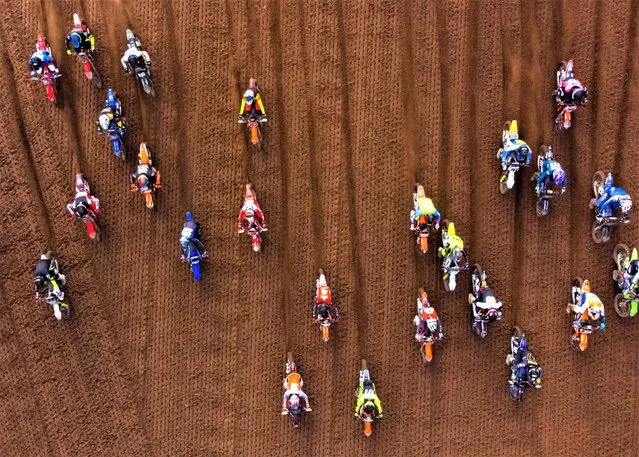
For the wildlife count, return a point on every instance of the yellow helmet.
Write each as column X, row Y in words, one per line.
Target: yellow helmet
column 585, row 286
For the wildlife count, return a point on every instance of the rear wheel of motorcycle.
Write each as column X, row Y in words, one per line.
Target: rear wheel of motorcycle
column 597, row 233
column 621, row 306
column 543, row 207
column 446, row 285
column 65, row 310
column 96, row 80
column 195, row 268
column 503, row 187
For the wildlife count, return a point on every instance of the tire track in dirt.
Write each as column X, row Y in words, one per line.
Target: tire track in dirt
column 181, row 142
column 359, row 313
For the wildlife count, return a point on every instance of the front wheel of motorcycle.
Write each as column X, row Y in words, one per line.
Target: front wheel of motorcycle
column 620, row 253
column 621, row 306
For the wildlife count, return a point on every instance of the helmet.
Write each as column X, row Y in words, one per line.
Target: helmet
column 579, row 95
column 369, row 408
column 143, row 181
column 75, row 40
column 105, row 121
column 585, row 286
column 34, row 60
column 248, row 96
column 490, row 300
column 559, row 176
column 189, row 216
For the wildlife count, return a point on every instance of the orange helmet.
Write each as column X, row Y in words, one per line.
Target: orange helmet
column 428, row 312
column 324, row 294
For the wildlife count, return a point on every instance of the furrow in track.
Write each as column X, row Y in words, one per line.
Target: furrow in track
column 359, row 314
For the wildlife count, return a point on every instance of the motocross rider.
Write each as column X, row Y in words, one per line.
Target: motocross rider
column 517, row 149
column 80, row 40
column 47, row 269
column 424, row 207
column 190, row 233
column 83, row 202
column 42, row 56
column 426, row 313
column 134, row 57
column 632, row 270
column 368, row 402
column 570, row 93
column 323, row 303
column 251, row 213
column 588, row 308
column 291, row 387
column 251, row 106
column 145, row 175
column 612, row 198
column 450, row 242
column 551, row 172
column 524, row 365
column 484, row 301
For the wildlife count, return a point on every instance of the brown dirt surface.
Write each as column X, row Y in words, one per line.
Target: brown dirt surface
column 364, row 99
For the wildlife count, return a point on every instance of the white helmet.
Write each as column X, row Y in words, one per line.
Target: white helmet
column 104, row 121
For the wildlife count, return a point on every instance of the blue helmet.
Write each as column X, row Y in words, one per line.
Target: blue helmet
column 75, row 40
column 34, row 60
column 189, row 216
column 559, row 176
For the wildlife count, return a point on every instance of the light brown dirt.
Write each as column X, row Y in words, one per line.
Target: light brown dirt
column 364, row 99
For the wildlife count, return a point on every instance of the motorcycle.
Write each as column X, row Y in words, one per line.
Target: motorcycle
column 605, row 220
column 254, row 228
column 86, row 59
column 88, row 216
column 194, row 257
column 563, row 117
column 294, row 381
column 47, row 77
column 518, row 383
column 426, row 344
column 453, row 263
column 366, row 384
column 491, row 313
column 627, row 301
column 148, row 190
column 424, row 223
column 141, row 70
column 324, row 317
column 579, row 333
column 543, row 198
column 507, row 178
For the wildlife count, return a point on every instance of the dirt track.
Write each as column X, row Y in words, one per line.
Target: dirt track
column 364, row 98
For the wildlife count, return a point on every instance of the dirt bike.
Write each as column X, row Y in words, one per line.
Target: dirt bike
column 533, row 370
column 84, row 211
column 507, row 178
column 580, row 331
column 140, row 68
column 255, row 228
column 144, row 169
column 543, row 198
column 424, row 223
column 366, row 383
column 323, row 313
column 627, row 301
column 453, row 263
column 294, row 380
column 490, row 313
column 426, row 343
column 605, row 220
column 563, row 116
